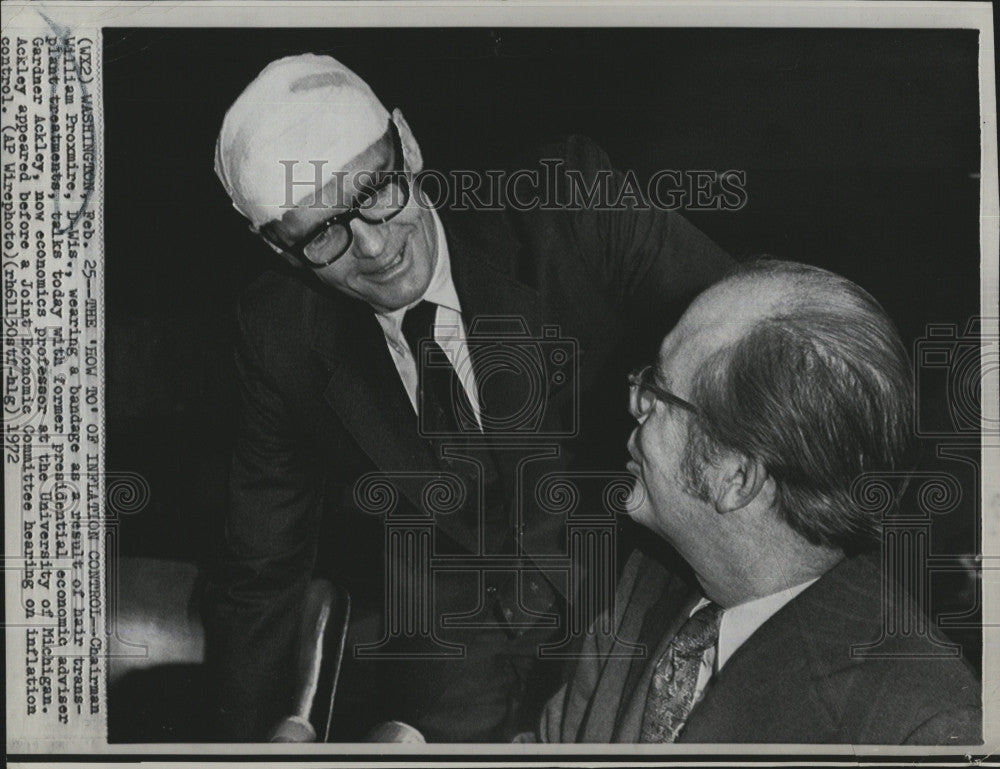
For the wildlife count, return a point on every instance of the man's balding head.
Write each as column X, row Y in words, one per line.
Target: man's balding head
column 808, row 376
column 778, row 389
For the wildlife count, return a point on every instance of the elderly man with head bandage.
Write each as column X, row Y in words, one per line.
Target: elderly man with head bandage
column 384, row 427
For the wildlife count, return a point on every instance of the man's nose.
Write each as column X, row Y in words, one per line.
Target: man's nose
column 635, row 409
column 369, row 239
column 630, row 443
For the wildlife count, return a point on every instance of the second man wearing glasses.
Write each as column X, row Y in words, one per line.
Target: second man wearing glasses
column 790, row 626
column 333, row 394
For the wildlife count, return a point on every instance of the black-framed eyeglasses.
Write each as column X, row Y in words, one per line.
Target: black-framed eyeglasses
column 643, row 393
column 377, row 203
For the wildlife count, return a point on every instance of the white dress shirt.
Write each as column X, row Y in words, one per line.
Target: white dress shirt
column 449, row 330
column 737, row 625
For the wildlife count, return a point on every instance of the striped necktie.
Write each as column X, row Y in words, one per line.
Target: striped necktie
column 443, row 406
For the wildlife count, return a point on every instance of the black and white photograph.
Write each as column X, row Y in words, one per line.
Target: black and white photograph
column 514, row 385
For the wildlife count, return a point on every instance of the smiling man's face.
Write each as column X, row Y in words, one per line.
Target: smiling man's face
column 388, row 265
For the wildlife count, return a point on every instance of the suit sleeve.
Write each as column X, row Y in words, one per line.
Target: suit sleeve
column 651, row 261
column 255, row 595
column 595, row 237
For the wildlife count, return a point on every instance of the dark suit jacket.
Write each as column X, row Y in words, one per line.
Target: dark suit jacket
column 322, row 405
column 794, row 680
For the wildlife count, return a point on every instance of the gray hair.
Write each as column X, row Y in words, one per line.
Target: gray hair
column 819, row 391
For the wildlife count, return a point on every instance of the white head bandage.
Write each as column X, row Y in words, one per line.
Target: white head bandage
column 301, row 108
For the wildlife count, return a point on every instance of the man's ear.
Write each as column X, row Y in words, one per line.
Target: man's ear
column 739, row 481
column 411, row 150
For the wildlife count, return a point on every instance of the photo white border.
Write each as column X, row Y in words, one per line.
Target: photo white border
column 518, row 13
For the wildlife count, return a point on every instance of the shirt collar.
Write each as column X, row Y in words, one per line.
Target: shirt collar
column 740, row 622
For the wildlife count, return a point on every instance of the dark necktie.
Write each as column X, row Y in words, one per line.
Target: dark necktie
column 671, row 692
column 442, row 404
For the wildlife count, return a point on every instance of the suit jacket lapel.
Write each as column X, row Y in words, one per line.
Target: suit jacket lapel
column 800, row 651
column 647, row 596
column 365, row 391
column 660, row 626
column 494, row 304
column 364, row 387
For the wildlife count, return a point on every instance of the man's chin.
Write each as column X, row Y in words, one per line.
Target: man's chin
column 386, row 301
column 636, row 501
column 390, row 299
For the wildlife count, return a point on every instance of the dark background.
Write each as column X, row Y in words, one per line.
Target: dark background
column 861, row 149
